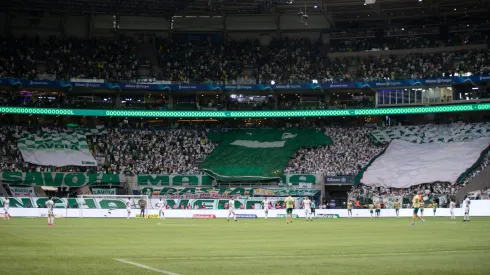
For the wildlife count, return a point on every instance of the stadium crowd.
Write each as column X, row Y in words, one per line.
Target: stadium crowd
column 140, row 150
column 66, row 58
column 283, row 61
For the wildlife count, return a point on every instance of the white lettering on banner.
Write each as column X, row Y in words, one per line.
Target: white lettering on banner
column 89, row 80
column 27, row 191
column 479, row 208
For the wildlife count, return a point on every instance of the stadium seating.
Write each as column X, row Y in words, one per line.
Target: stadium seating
column 283, row 61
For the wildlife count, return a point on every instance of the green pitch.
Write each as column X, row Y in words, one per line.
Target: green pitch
column 218, row 247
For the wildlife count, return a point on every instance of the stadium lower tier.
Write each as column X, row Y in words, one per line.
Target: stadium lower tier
column 115, row 208
column 478, row 208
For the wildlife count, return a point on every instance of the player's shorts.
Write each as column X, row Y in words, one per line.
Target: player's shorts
column 312, row 210
column 378, row 210
column 289, row 210
column 129, row 210
column 349, row 210
column 371, row 211
column 421, row 210
column 6, row 209
column 307, row 211
column 231, row 211
column 466, row 211
column 435, row 210
column 397, row 209
column 50, row 212
column 415, row 210
column 266, row 210
column 451, row 211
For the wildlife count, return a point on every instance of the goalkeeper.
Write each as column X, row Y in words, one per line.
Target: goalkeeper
column 142, row 207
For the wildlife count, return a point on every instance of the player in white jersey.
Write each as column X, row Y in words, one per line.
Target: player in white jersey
column 6, row 206
column 307, row 207
column 265, row 204
column 128, row 207
column 50, row 206
column 452, row 206
column 161, row 206
column 466, row 205
column 231, row 209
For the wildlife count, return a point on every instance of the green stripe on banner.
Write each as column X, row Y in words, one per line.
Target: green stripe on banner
column 474, row 166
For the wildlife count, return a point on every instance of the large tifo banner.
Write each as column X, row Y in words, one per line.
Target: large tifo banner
column 404, row 164
column 58, row 148
column 171, row 203
column 75, row 179
column 210, row 192
column 256, row 154
column 306, row 181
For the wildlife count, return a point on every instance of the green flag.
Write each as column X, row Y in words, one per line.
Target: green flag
column 257, row 154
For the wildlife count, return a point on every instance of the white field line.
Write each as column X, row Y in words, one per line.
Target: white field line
column 309, row 256
column 146, row 267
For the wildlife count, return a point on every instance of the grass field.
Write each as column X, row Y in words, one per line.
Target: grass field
column 178, row 246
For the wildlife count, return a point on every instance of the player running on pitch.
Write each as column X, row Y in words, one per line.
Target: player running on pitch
column 6, row 206
column 306, row 204
column 396, row 205
column 265, row 204
column 378, row 209
column 349, row 209
column 466, row 204
column 128, row 207
column 416, row 204
column 313, row 207
column 50, row 206
column 434, row 207
column 452, row 206
column 289, row 209
column 161, row 206
column 231, row 209
column 371, row 209
column 422, row 206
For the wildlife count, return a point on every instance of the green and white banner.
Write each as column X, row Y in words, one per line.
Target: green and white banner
column 58, row 148
column 404, row 164
column 173, row 180
column 257, row 154
column 204, row 192
column 60, row 179
column 22, row 191
column 104, row 191
column 156, row 182
column 306, row 181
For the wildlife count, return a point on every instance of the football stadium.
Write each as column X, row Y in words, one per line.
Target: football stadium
column 245, row 137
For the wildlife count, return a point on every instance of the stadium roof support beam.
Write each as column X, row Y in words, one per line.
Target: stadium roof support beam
column 377, row 9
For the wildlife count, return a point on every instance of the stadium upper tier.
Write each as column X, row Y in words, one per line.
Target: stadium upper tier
column 236, row 62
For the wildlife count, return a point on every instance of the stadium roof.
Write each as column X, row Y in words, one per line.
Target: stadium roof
column 336, row 10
